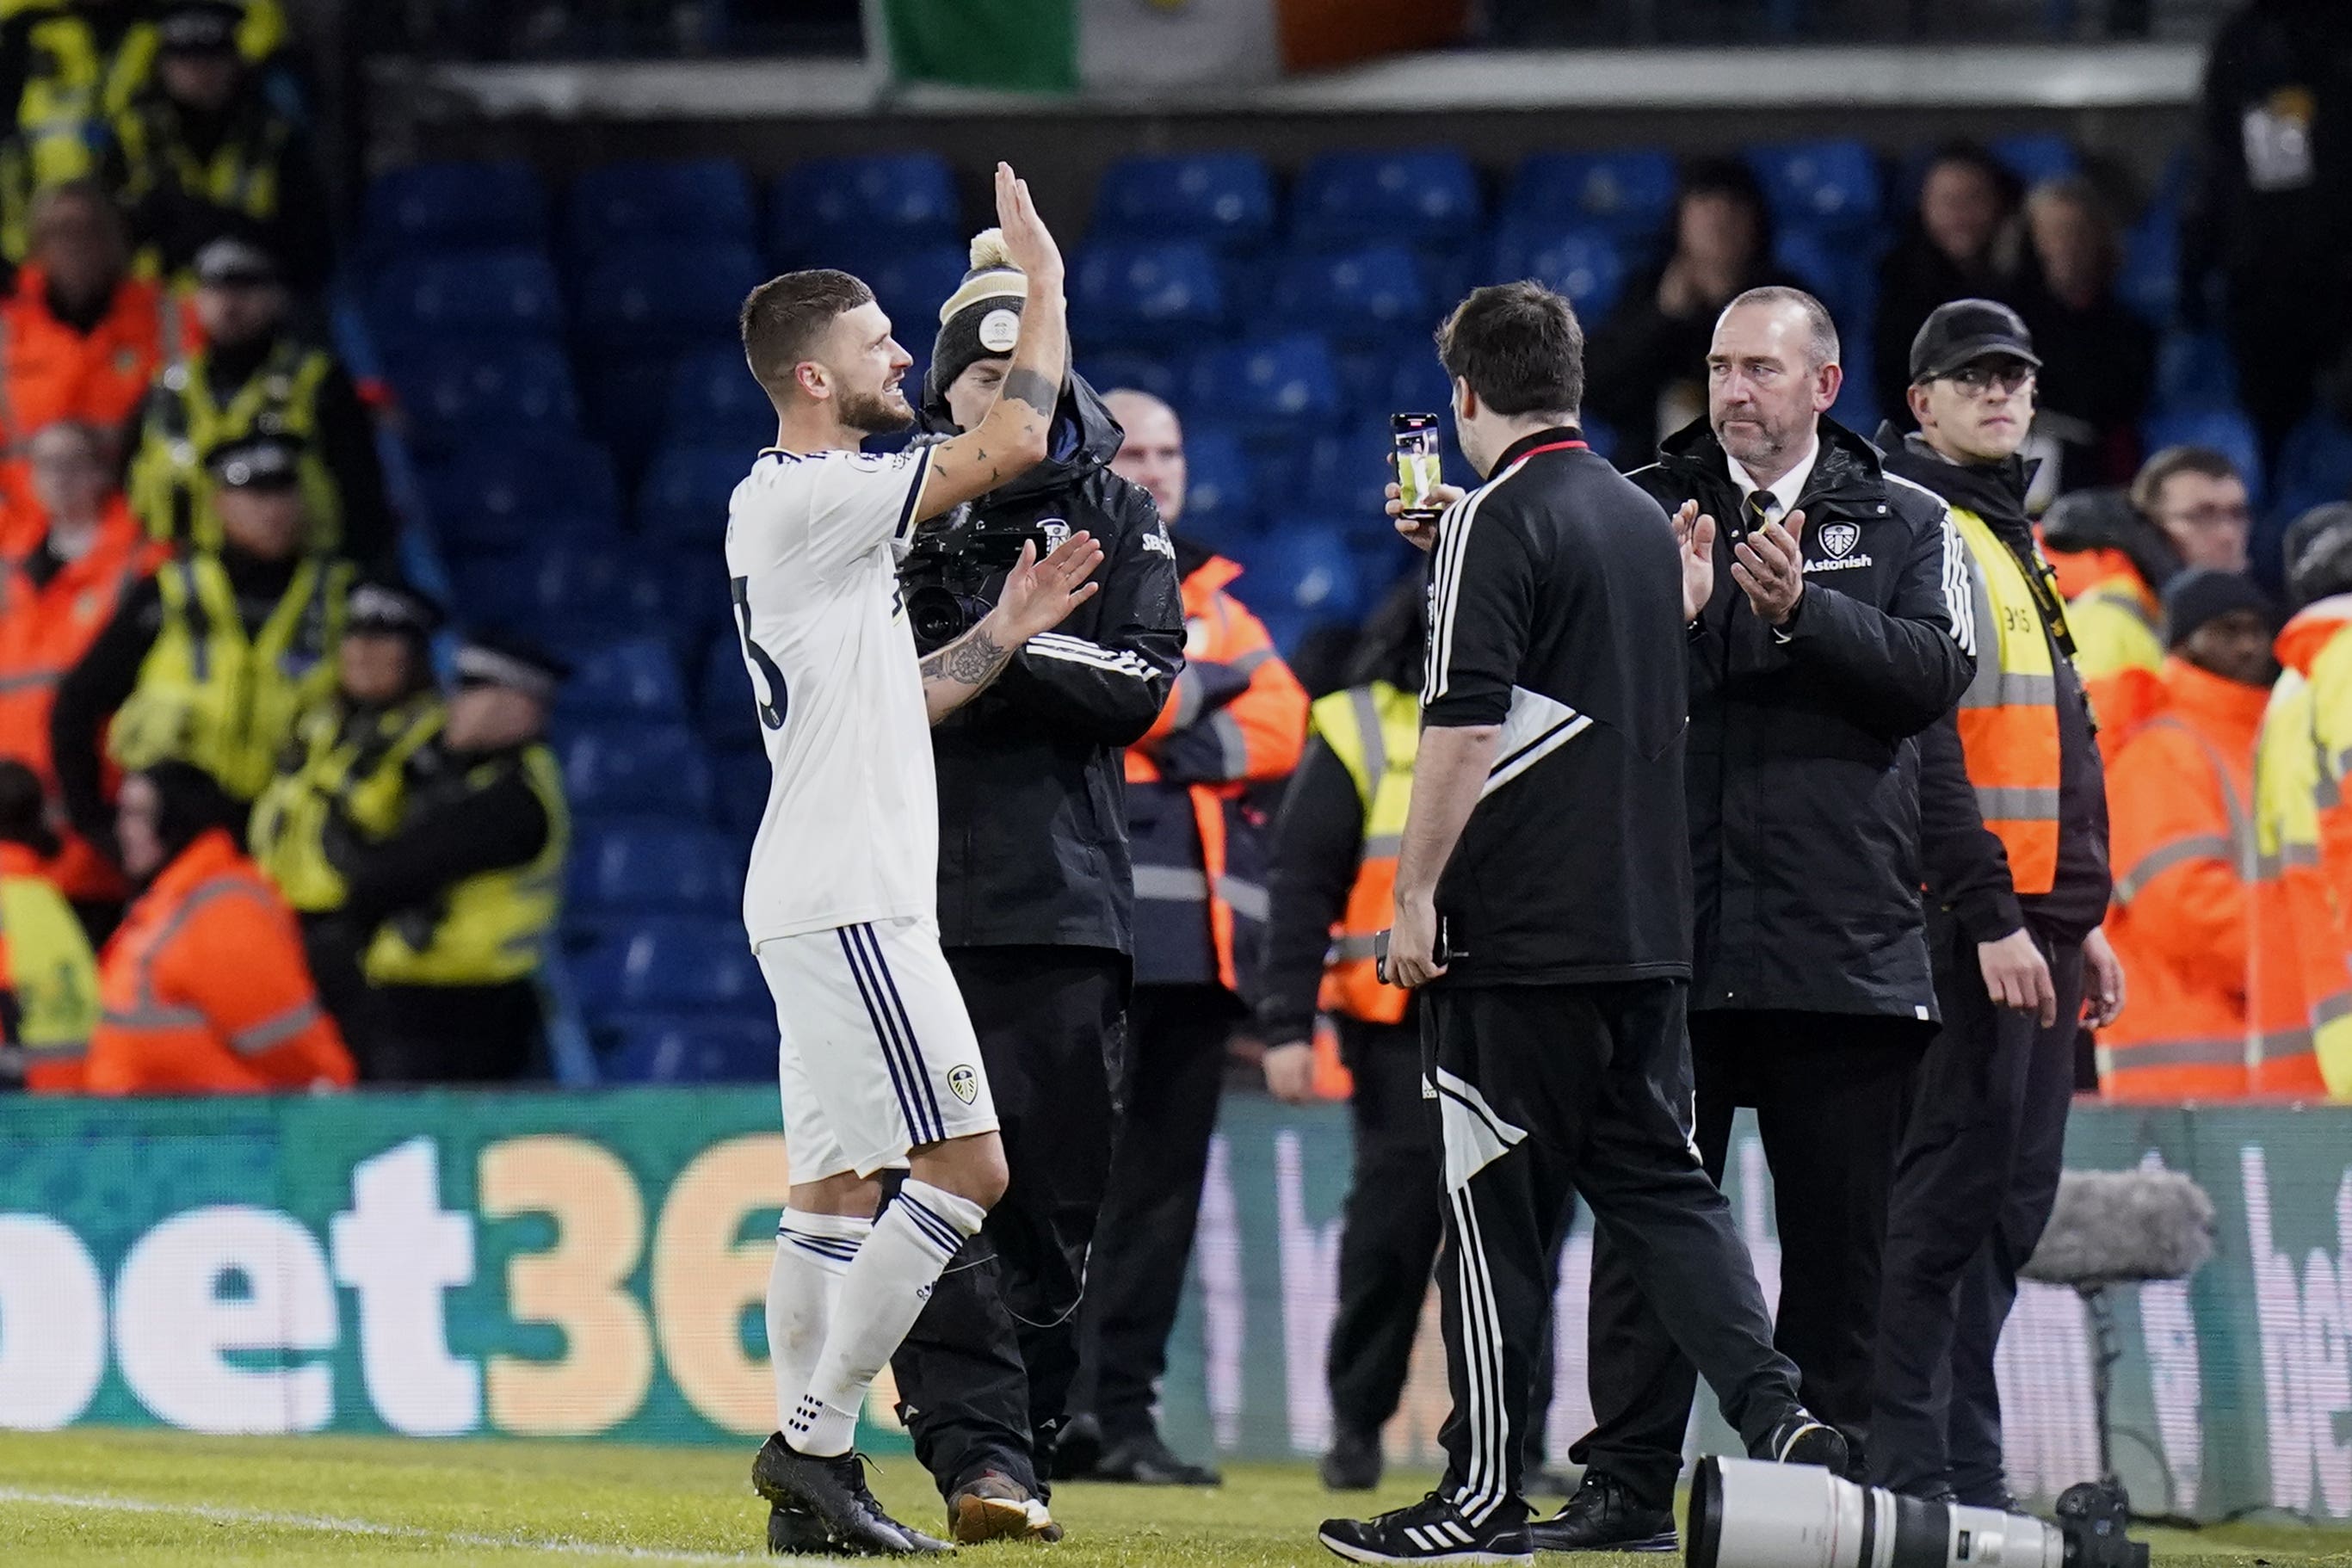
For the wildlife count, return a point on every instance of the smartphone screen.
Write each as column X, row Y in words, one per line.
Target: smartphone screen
column 1419, row 466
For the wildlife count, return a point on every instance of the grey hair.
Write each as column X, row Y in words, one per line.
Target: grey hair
column 1822, row 348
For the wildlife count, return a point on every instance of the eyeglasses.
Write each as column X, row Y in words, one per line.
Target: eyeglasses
column 1976, row 379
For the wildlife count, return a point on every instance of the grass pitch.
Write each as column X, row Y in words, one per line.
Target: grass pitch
column 90, row 1497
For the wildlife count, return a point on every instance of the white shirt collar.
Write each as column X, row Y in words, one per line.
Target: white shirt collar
column 1789, row 487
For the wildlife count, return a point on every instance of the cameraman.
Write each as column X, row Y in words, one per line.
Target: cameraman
column 1035, row 912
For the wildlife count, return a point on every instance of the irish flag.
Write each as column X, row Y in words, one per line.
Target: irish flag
column 1066, row 46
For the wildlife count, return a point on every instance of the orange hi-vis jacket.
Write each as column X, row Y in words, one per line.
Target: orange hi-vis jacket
column 1236, row 717
column 2118, row 648
column 45, row 628
column 2180, row 806
column 2298, row 981
column 49, row 372
column 205, row 989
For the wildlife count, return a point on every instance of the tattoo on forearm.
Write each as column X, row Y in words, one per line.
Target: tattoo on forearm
column 971, row 659
column 1025, row 385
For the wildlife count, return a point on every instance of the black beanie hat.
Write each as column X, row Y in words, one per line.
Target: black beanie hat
column 2202, row 595
column 982, row 320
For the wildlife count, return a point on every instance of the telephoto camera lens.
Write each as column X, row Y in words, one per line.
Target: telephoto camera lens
column 1745, row 1514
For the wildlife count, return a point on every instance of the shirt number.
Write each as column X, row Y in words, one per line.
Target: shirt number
column 771, row 711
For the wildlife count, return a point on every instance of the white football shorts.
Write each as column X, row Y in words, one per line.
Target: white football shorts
column 878, row 1055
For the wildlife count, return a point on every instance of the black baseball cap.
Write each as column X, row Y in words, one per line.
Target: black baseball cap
column 1966, row 330
column 257, row 463
column 198, row 28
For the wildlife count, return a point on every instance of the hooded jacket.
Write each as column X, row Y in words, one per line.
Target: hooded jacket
column 1032, row 815
column 1800, row 776
column 1968, row 869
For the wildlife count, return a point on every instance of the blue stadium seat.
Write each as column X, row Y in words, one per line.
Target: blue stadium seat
column 653, row 768
column 1271, row 384
column 1144, row 291
column 2316, row 462
column 445, row 207
column 2226, row 430
column 1369, row 291
column 1840, row 274
column 1162, row 375
column 675, row 962
column 743, row 775
column 453, row 395
column 724, row 707
column 2034, row 156
column 685, row 493
column 522, row 490
column 473, row 294
column 690, row 1048
column 1220, row 498
column 1582, row 263
column 2151, row 280
column 641, row 200
column 655, row 295
column 578, row 598
column 633, row 680
column 2194, row 371
column 653, row 864
column 1630, row 192
column 1416, row 198
column 1419, row 384
column 873, row 202
column 1347, row 474
column 1829, row 186
column 1220, row 198
column 1305, row 569
column 713, row 401
column 910, row 283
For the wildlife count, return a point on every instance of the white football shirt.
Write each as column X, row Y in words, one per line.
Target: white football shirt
column 851, row 832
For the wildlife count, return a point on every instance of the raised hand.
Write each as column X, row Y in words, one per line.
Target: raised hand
column 1695, row 532
column 1420, row 531
column 1770, row 569
column 1039, row 593
column 1028, row 244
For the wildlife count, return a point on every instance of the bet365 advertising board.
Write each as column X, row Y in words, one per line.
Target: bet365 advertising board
column 592, row 1265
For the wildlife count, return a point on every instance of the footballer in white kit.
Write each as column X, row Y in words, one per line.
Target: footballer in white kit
column 877, row 1064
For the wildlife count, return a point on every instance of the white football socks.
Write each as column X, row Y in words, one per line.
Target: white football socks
column 881, row 1296
column 813, row 1252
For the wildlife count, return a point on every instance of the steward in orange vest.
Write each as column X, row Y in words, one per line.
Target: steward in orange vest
column 1332, row 891
column 204, row 990
column 81, row 337
column 54, row 601
column 1236, row 718
column 2013, row 831
column 2180, row 796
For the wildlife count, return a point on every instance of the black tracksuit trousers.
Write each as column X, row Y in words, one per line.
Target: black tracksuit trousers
column 1830, row 1092
column 1391, row 1226
column 984, row 1377
column 1973, row 1189
column 1547, row 1091
column 1176, row 1070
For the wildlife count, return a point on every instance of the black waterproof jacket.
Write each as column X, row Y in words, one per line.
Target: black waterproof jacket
column 1801, row 774
column 1032, row 815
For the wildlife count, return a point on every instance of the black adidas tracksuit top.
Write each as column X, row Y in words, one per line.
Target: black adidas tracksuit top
column 1556, row 612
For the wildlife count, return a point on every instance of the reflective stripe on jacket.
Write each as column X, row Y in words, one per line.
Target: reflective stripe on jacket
column 2008, row 714
column 47, row 977
column 491, row 928
column 2181, row 799
column 205, row 989
column 347, row 773
column 2298, row 985
column 1237, row 717
column 212, row 695
column 169, row 488
column 1375, row 732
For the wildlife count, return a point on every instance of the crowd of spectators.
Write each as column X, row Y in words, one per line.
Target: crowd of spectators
column 246, row 842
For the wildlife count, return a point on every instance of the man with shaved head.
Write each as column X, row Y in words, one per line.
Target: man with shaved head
column 1236, row 718
column 1829, row 623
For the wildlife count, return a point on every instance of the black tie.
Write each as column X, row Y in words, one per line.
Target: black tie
column 1760, row 505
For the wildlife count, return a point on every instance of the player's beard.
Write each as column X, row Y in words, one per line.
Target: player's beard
column 884, row 412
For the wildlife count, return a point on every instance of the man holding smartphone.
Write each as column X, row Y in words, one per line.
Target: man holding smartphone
column 1543, row 900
